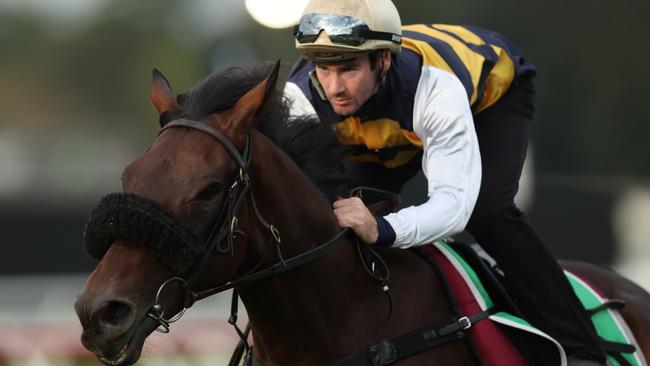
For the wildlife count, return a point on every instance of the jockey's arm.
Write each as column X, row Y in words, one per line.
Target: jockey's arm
column 451, row 162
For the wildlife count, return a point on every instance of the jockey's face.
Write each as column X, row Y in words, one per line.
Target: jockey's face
column 350, row 84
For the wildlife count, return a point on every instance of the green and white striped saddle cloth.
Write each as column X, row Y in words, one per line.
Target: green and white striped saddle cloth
column 617, row 338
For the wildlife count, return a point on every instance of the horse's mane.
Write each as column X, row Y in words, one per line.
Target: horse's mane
column 309, row 143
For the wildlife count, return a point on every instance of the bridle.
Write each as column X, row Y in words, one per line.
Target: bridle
column 225, row 231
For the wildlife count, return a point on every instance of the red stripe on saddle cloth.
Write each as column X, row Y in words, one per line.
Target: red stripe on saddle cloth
column 492, row 344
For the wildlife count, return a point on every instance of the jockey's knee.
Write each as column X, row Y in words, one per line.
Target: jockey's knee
column 505, row 231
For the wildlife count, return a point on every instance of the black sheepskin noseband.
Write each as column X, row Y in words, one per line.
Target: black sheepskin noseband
column 141, row 220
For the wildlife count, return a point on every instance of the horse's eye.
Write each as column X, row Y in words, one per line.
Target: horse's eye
column 209, row 192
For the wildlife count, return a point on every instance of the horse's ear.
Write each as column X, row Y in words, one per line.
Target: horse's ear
column 273, row 78
column 248, row 105
column 162, row 95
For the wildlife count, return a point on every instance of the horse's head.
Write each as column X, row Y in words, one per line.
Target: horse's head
column 177, row 201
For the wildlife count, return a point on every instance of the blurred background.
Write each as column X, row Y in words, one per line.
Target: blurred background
column 74, row 110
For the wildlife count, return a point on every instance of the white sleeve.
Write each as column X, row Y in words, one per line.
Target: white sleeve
column 300, row 105
column 451, row 162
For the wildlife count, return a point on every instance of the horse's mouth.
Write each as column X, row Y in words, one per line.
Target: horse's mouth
column 127, row 355
column 130, row 352
column 118, row 359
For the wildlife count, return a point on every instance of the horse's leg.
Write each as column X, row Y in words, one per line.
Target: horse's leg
column 615, row 286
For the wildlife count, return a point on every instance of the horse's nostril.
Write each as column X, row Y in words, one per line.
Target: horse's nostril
column 114, row 312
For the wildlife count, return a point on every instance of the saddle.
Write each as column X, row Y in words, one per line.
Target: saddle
column 474, row 282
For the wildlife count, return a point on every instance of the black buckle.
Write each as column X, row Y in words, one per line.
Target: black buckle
column 464, row 323
column 460, row 325
column 382, row 353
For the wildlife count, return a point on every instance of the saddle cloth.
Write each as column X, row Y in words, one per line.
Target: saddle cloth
column 507, row 339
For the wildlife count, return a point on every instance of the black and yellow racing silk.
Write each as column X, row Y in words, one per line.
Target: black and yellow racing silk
column 381, row 131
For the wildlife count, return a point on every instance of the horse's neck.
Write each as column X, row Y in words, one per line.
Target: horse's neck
column 317, row 297
column 290, row 200
column 330, row 307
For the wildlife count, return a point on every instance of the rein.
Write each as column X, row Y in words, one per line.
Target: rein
column 291, row 263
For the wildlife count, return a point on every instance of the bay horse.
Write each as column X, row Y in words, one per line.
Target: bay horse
column 213, row 201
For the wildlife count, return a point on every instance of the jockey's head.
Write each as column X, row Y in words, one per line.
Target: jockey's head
column 351, row 42
column 333, row 31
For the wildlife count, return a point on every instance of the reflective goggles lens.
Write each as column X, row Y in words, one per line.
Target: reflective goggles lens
column 341, row 29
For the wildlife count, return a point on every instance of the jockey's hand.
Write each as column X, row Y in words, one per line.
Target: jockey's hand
column 353, row 213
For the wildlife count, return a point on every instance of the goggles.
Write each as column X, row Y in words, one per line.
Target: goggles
column 341, row 29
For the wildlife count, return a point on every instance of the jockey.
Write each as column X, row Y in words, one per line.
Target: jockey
column 456, row 102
